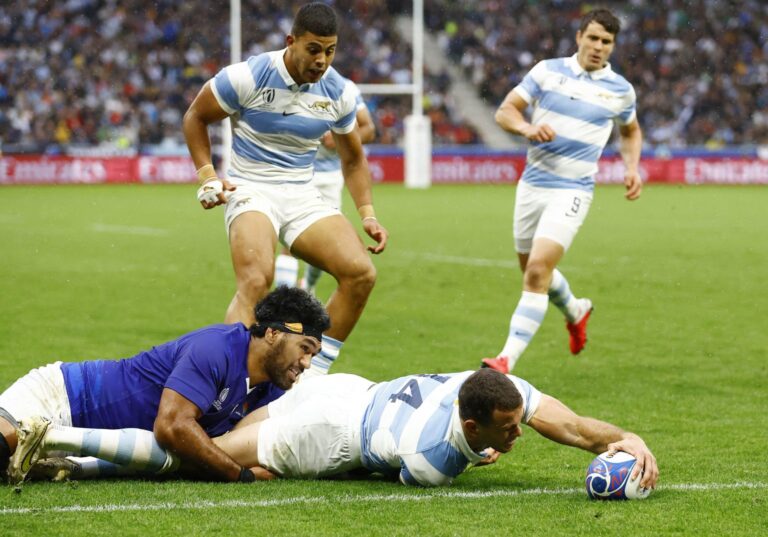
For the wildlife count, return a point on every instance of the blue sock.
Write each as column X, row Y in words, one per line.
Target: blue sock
column 561, row 296
column 312, row 275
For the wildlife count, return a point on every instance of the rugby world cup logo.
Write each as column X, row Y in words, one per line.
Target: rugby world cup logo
column 219, row 403
column 268, row 95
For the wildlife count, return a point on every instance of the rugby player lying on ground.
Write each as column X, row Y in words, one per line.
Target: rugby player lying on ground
column 423, row 429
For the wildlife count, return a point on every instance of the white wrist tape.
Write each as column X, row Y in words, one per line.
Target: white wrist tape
column 209, row 192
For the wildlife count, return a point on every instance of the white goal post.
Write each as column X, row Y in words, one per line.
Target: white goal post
column 418, row 130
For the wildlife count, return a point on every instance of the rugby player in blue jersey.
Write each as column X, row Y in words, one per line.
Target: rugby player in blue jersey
column 281, row 104
column 575, row 102
column 187, row 390
column 421, row 429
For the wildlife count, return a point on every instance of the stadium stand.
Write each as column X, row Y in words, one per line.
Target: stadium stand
column 699, row 67
column 118, row 76
column 87, row 73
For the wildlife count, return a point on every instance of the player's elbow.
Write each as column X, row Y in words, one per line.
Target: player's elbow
column 190, row 121
column 167, row 431
column 499, row 116
column 368, row 134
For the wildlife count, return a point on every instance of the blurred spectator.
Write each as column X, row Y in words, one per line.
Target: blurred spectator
column 699, row 67
column 119, row 74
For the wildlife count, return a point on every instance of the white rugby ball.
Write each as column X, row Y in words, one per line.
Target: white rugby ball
column 609, row 478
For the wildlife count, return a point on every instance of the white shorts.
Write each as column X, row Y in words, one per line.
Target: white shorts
column 41, row 392
column 330, row 185
column 551, row 213
column 290, row 207
column 314, row 429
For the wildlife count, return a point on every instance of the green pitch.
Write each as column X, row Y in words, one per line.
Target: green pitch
column 677, row 352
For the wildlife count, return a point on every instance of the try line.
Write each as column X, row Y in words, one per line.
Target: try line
column 378, row 498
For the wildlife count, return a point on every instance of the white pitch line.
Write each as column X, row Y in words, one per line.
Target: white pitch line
column 129, row 230
column 378, row 498
column 461, row 260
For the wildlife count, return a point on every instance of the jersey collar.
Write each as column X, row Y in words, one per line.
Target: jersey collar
column 282, row 69
column 578, row 70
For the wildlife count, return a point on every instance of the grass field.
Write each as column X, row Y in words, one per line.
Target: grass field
column 678, row 353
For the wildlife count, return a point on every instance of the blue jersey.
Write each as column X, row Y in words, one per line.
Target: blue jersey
column 412, row 427
column 276, row 123
column 581, row 106
column 208, row 367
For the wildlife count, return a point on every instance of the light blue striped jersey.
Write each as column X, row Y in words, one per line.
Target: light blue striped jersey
column 581, row 106
column 276, row 123
column 327, row 160
column 412, row 427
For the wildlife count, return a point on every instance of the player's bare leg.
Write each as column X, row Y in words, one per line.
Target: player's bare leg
column 332, row 245
column 252, row 242
column 544, row 257
column 241, row 444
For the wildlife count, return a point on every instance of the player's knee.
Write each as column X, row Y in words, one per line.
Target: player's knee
column 254, row 286
column 537, row 275
column 361, row 277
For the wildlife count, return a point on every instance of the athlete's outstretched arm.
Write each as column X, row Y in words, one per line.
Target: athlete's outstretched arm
column 557, row 422
column 630, row 145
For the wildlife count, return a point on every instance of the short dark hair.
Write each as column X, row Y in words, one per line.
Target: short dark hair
column 608, row 20
column 290, row 305
column 317, row 18
column 483, row 392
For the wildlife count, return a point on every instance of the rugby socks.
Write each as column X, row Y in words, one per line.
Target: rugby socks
column 286, row 270
column 322, row 362
column 525, row 321
column 561, row 296
column 135, row 449
column 89, row 467
column 311, row 275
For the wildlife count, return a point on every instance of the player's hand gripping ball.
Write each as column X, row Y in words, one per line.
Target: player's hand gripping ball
column 609, row 478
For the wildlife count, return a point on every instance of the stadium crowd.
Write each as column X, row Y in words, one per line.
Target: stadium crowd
column 121, row 74
column 699, row 67
column 89, row 72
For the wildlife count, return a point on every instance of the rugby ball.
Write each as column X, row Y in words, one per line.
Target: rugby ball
column 608, row 478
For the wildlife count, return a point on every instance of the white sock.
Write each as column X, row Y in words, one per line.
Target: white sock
column 286, row 270
column 561, row 296
column 322, row 362
column 133, row 448
column 525, row 321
